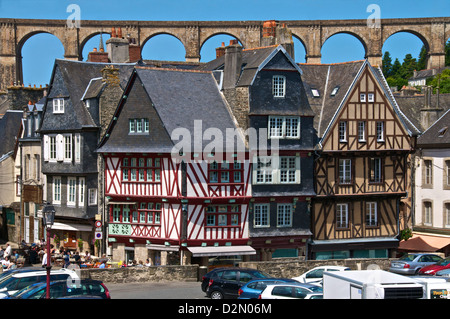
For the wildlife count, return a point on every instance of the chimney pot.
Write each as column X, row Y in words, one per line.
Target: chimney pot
column 119, row 32
column 113, row 32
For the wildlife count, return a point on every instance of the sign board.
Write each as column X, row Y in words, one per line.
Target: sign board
column 98, row 235
column 98, row 224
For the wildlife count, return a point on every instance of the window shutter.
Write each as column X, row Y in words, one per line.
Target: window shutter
column 46, row 147
column 59, row 147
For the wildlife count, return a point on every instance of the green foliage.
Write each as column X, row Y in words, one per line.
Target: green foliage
column 441, row 80
column 405, row 234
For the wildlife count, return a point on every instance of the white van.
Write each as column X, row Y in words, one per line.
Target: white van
column 18, row 280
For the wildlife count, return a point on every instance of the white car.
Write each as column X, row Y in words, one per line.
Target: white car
column 292, row 291
column 18, row 280
column 316, row 274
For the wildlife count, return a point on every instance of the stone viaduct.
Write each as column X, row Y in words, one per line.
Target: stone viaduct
column 434, row 33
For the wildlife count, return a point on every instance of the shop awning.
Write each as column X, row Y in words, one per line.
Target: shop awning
column 71, row 226
column 424, row 243
column 221, row 251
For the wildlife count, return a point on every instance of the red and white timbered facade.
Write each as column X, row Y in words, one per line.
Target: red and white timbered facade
column 146, row 200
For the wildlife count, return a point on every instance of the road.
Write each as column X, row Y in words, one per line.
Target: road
column 156, row 290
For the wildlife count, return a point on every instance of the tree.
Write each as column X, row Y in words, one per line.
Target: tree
column 422, row 63
column 408, row 66
column 447, row 53
column 387, row 64
column 442, row 80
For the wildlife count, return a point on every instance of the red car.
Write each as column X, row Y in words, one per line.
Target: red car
column 432, row 269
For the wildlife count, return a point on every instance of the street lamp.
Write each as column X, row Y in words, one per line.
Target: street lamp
column 49, row 218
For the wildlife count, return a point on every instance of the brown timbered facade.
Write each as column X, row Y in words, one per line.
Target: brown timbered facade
column 361, row 172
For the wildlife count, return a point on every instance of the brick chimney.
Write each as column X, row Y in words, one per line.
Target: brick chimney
column 112, row 92
column 96, row 56
column 274, row 34
column 220, row 51
column 233, row 64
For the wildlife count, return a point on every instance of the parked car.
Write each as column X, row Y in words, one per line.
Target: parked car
column 81, row 289
column 20, row 280
column 223, row 283
column 292, row 291
column 410, row 264
column 316, row 274
column 253, row 289
column 433, row 269
column 443, row 273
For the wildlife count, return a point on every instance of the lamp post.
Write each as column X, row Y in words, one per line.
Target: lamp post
column 49, row 218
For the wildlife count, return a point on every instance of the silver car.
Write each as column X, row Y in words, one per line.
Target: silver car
column 410, row 264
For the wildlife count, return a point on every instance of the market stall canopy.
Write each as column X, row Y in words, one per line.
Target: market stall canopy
column 221, row 251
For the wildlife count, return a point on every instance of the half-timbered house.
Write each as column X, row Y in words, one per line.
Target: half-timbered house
column 362, row 175
column 265, row 91
column 174, row 187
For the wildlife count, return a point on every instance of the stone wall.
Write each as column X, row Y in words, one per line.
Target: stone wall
column 286, row 268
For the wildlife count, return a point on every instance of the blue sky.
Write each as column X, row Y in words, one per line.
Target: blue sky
column 40, row 51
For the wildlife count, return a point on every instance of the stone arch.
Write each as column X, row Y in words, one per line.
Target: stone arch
column 143, row 43
column 20, row 45
column 85, row 40
column 217, row 35
column 423, row 38
column 359, row 37
column 303, row 43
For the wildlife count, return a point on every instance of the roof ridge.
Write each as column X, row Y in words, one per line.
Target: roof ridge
column 337, row 63
column 265, row 47
column 172, row 69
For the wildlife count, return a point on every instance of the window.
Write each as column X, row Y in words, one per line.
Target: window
column 56, row 190
column 361, row 131
column 335, row 90
column 261, row 215
column 447, row 215
column 92, row 196
column 126, row 214
column 58, row 106
column 278, row 86
column 343, row 131
column 116, row 213
column 52, row 153
column 141, row 169
column 362, row 98
column 371, row 97
column 371, row 214
column 67, row 148
column 81, row 187
column 284, row 215
column 315, row 92
column 223, row 215
column 427, row 213
column 77, row 147
column 284, row 127
column 71, row 191
column 380, row 131
column 138, row 126
column 342, row 215
column 446, row 183
column 428, row 173
column 225, row 172
column 345, row 171
column 375, row 173
column 277, row 170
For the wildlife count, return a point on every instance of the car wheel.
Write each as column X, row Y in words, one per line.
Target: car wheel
column 216, row 295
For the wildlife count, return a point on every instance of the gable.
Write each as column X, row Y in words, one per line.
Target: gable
column 370, row 120
column 136, row 105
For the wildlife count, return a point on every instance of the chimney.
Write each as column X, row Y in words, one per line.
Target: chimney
column 220, row 51
column 233, row 64
column 275, row 34
column 117, row 47
column 96, row 56
column 134, row 49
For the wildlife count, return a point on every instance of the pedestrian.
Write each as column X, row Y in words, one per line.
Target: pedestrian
column 7, row 251
column 66, row 258
column 33, row 255
column 77, row 258
column 148, row 263
column 5, row 263
column 87, row 256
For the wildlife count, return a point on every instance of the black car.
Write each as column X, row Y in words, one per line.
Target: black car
column 223, row 283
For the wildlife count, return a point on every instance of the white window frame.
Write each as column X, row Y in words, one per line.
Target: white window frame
column 362, row 97
column 77, row 147
column 81, row 191
column 58, row 106
column 68, row 150
column 275, row 168
column 342, row 215
column 375, row 169
column 380, row 131
column 279, row 86
column 261, row 215
column 427, row 212
column 284, row 127
column 92, row 196
column 370, row 97
column 263, row 174
column 345, row 171
column 284, row 217
column 52, row 148
column 71, row 191
column 56, row 190
column 362, row 131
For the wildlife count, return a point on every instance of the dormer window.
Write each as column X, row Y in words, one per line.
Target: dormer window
column 335, row 90
column 58, row 106
column 362, row 98
column 278, row 86
column 138, row 126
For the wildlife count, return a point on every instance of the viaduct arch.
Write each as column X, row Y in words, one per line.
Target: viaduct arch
column 434, row 33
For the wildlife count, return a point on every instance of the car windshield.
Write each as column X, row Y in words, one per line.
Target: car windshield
column 408, row 257
column 316, row 288
column 24, row 292
column 443, row 262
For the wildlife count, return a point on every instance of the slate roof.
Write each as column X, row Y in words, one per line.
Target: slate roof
column 180, row 97
column 438, row 134
column 325, row 78
column 10, row 125
column 71, row 79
